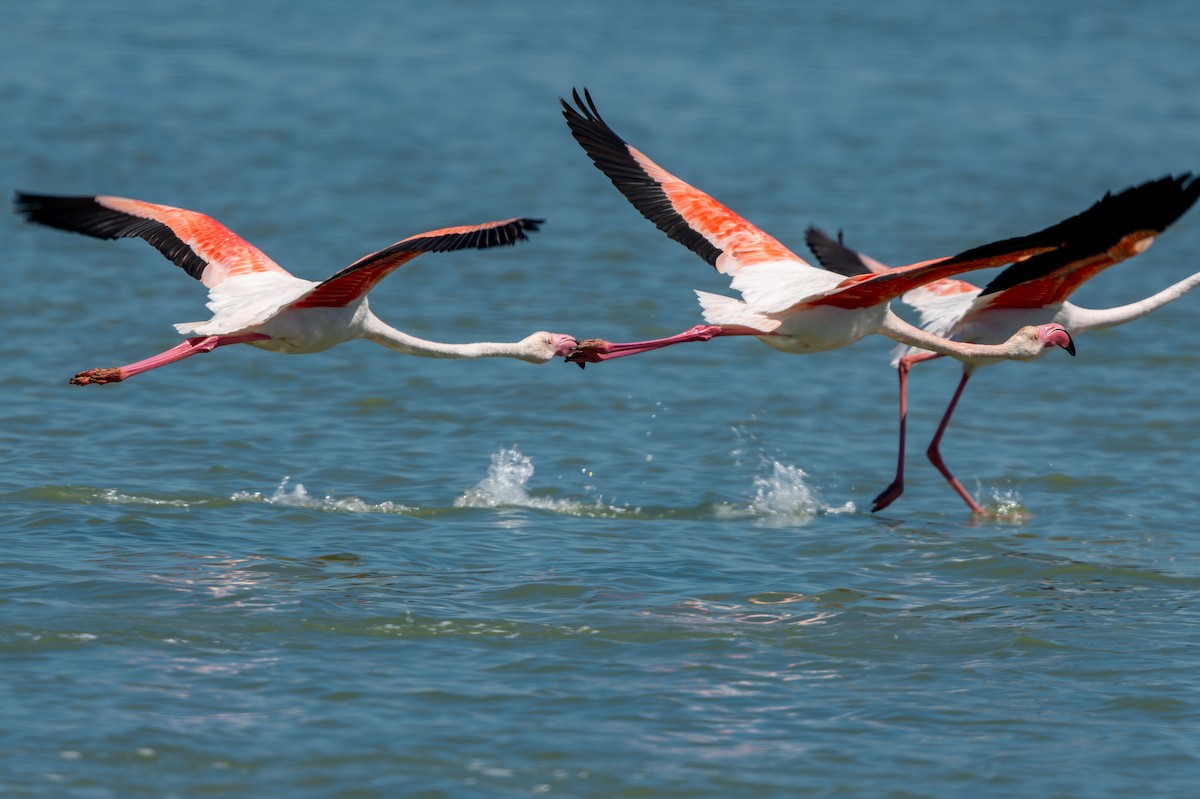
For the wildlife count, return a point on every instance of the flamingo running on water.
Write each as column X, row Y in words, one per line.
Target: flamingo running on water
column 789, row 304
column 1117, row 227
column 257, row 302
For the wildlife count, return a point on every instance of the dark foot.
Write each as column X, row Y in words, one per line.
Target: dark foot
column 591, row 350
column 110, row 375
column 887, row 496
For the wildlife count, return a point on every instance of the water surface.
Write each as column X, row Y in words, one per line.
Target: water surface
column 357, row 574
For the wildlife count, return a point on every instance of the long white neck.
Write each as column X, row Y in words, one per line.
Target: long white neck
column 1016, row 348
column 536, row 348
column 1079, row 319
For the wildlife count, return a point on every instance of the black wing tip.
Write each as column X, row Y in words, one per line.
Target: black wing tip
column 584, row 108
column 25, row 203
column 1150, row 206
column 496, row 234
column 819, row 243
column 504, row 235
column 72, row 213
column 1156, row 204
column 1189, row 187
column 43, row 208
column 816, row 237
column 589, row 128
column 29, row 198
column 528, row 225
column 832, row 254
column 613, row 156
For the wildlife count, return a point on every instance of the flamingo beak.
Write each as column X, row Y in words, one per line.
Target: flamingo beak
column 1056, row 336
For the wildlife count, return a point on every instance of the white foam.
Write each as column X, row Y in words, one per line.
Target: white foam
column 784, row 497
column 1007, row 506
column 298, row 497
column 507, row 485
column 114, row 497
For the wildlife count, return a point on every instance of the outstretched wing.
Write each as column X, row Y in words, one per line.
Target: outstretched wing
column 1114, row 229
column 873, row 288
column 689, row 216
column 199, row 244
column 1070, row 251
column 940, row 303
column 361, row 276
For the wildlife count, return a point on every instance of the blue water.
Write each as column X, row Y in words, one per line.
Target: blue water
column 359, row 574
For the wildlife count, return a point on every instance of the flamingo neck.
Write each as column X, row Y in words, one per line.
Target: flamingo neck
column 1093, row 319
column 536, row 348
column 896, row 328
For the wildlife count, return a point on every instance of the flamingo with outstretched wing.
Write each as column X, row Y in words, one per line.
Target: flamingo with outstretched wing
column 1030, row 291
column 257, row 302
column 787, row 303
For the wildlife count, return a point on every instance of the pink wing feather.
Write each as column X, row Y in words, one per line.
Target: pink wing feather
column 1047, row 265
column 361, row 276
column 199, row 244
column 689, row 216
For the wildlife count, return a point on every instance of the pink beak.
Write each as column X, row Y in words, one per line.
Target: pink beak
column 1056, row 336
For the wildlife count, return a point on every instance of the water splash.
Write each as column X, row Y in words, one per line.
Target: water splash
column 784, row 497
column 298, row 497
column 507, row 486
column 784, row 492
column 1007, row 506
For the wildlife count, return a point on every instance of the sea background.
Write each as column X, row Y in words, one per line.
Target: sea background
column 358, row 574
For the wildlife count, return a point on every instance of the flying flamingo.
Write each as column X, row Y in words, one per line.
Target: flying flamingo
column 257, row 302
column 1027, row 293
column 789, row 304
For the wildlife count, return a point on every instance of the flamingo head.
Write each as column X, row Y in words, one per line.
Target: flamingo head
column 563, row 344
column 1056, row 336
column 539, row 347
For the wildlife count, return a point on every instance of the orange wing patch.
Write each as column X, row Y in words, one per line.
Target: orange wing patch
column 227, row 254
column 1053, row 287
column 948, row 287
column 858, row 292
column 361, row 276
column 741, row 243
column 1057, row 286
column 348, row 285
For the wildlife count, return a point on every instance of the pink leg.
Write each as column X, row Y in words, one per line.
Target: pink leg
column 935, row 454
column 893, row 491
column 890, row 494
column 594, row 350
column 192, row 346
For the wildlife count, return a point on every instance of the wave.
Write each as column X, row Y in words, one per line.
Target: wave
column 298, row 497
column 782, row 495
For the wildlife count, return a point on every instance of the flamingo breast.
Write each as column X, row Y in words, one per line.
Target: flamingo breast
column 824, row 327
column 263, row 303
column 297, row 331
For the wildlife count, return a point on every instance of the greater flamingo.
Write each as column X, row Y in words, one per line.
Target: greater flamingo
column 257, row 302
column 1121, row 227
column 789, row 304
